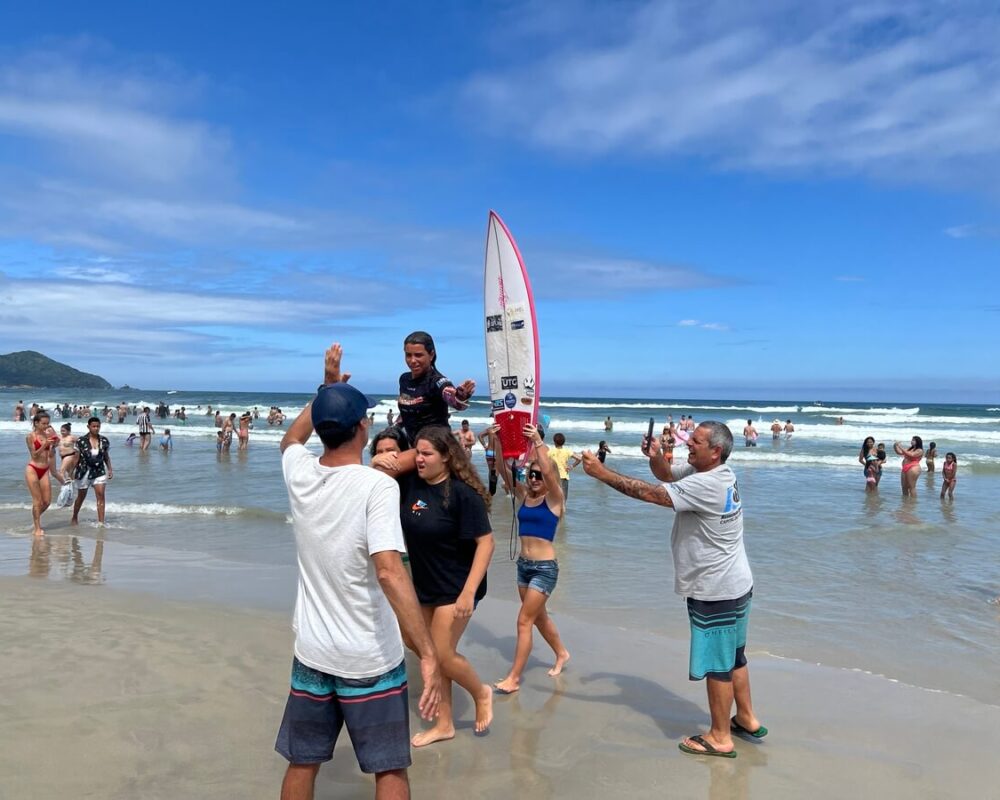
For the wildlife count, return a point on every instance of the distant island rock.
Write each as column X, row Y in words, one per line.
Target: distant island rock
column 30, row 370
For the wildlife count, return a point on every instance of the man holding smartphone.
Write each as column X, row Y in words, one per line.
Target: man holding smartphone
column 710, row 570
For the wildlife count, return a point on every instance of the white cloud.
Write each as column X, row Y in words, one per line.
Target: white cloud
column 907, row 90
column 973, row 231
column 708, row 326
column 108, row 121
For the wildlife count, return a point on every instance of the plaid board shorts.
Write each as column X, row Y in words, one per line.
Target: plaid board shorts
column 375, row 710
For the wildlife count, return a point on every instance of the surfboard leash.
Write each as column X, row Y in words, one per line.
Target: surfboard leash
column 511, row 549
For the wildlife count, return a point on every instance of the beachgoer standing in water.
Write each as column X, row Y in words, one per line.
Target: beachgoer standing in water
column 930, row 455
column 710, row 570
column 561, row 457
column 465, row 436
column 537, row 568
column 424, row 393
column 750, row 434
column 145, row 429
column 41, row 459
column 789, row 429
column 348, row 666
column 911, row 464
column 94, row 469
column 949, row 475
column 244, row 431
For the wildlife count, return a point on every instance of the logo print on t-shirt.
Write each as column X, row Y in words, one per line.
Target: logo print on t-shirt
column 732, row 498
column 417, row 507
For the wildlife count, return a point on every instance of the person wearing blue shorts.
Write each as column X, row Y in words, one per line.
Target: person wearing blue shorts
column 537, row 568
column 710, row 570
column 354, row 597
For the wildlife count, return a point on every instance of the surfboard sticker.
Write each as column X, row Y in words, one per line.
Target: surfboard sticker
column 511, row 329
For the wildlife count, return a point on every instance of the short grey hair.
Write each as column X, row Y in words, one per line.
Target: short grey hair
column 719, row 435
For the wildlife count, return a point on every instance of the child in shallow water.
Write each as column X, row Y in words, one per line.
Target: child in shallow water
column 950, row 470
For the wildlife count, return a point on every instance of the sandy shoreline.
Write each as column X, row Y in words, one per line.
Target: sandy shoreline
column 118, row 694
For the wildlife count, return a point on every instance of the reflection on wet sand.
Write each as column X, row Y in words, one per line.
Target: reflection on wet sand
column 66, row 553
column 524, row 741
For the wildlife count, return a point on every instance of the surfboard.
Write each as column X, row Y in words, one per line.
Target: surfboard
column 512, row 353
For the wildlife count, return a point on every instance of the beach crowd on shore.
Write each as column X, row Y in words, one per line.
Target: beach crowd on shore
column 426, row 499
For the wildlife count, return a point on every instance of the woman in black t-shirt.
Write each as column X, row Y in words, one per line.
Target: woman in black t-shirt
column 443, row 508
column 424, row 393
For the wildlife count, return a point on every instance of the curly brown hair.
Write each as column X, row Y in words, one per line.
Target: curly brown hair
column 460, row 466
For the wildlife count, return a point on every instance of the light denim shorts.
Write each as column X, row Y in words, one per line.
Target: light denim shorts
column 538, row 575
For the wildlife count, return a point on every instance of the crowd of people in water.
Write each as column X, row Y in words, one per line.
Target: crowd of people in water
column 872, row 458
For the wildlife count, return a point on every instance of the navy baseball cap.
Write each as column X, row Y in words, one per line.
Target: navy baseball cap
column 340, row 405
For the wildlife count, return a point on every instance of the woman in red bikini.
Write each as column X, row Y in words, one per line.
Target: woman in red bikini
column 40, row 460
column 911, row 464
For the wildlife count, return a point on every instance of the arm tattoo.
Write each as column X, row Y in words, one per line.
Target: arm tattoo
column 640, row 490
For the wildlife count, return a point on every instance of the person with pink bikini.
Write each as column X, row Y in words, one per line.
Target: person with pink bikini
column 912, row 457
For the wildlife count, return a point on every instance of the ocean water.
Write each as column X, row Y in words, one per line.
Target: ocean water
column 903, row 588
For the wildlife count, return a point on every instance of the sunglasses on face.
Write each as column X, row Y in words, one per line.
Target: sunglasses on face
column 535, row 474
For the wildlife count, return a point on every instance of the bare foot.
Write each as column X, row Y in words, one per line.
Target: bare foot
column 74, row 521
column 39, row 532
column 432, row 735
column 561, row 660
column 508, row 685
column 484, row 708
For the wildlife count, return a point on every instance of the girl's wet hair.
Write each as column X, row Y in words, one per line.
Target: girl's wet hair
column 953, row 457
column 918, row 442
column 932, row 445
column 396, row 434
column 425, row 339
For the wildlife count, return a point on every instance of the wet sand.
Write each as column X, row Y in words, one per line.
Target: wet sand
column 114, row 694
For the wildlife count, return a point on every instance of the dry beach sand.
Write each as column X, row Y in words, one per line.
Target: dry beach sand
column 114, row 694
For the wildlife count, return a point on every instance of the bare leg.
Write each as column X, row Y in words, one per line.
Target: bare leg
column 446, row 631
column 547, row 628
column 38, row 505
column 912, row 477
column 392, row 785
column 99, row 490
column 744, row 705
column 532, row 603
column 720, row 704
column 299, row 782
column 81, row 495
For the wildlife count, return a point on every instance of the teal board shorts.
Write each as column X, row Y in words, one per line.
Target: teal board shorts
column 375, row 710
column 718, row 637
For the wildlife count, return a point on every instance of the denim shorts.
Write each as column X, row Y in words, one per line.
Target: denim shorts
column 538, row 575
column 375, row 711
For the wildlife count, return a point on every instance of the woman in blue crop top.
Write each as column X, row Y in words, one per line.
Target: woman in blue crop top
column 537, row 569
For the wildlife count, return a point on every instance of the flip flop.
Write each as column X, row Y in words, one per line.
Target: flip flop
column 760, row 733
column 708, row 751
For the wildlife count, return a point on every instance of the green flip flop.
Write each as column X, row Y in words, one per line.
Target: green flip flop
column 760, row 733
column 708, row 751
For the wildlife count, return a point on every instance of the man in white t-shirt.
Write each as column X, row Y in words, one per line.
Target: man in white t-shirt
column 353, row 597
column 710, row 570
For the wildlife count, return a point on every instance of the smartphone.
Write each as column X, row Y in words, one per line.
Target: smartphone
column 649, row 436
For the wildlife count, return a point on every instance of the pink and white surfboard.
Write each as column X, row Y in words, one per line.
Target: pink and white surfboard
column 512, row 356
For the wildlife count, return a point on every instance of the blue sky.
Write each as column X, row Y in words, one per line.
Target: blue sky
column 783, row 200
